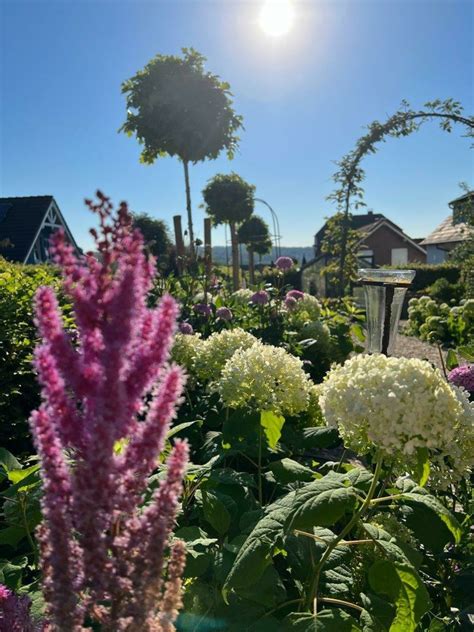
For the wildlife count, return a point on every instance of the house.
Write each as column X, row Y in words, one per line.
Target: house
column 26, row 224
column 381, row 243
column 453, row 231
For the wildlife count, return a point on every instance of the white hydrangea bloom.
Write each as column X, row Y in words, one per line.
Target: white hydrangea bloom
column 399, row 405
column 217, row 349
column 185, row 349
column 306, row 309
column 242, row 296
column 266, row 378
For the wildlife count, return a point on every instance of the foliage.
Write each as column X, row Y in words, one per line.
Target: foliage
column 433, row 322
column 427, row 274
column 229, row 198
column 349, row 193
column 442, row 291
column 19, row 393
column 332, row 245
column 176, row 108
column 254, row 233
column 156, row 236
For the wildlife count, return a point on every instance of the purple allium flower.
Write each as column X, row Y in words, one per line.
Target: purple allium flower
column 102, row 553
column 15, row 612
column 284, row 263
column 296, row 294
column 290, row 302
column 224, row 313
column 260, row 298
column 186, row 328
column 463, row 376
column 203, row 308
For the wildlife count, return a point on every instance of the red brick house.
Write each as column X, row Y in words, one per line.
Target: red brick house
column 381, row 243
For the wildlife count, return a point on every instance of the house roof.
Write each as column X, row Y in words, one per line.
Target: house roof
column 20, row 220
column 462, row 198
column 446, row 232
column 366, row 231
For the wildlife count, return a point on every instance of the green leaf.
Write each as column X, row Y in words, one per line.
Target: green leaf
column 256, row 552
column 270, row 591
column 467, row 352
column 289, row 471
column 8, row 461
column 272, row 425
column 431, row 522
column 323, row 502
column 320, row 437
column 334, row 620
column 17, row 476
column 404, row 588
column 422, row 469
column 176, row 429
column 358, row 332
column 215, row 511
column 451, row 360
column 378, row 613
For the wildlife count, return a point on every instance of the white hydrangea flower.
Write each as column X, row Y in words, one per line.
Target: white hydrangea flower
column 217, row 349
column 305, row 309
column 242, row 296
column 399, row 405
column 185, row 349
column 266, row 378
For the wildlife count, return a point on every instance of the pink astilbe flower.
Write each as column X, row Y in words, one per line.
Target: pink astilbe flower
column 103, row 552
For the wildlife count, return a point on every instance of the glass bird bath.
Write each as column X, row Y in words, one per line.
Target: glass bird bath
column 384, row 295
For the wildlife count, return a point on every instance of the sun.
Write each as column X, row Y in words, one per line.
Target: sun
column 276, row 17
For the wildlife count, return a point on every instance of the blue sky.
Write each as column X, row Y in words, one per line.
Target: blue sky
column 305, row 98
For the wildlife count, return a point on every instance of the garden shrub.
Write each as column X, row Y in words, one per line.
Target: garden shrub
column 433, row 322
column 443, row 291
column 427, row 274
column 19, row 393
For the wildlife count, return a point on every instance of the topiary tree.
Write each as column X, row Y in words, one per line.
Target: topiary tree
column 176, row 108
column 156, row 236
column 255, row 235
column 332, row 247
column 230, row 199
column 349, row 177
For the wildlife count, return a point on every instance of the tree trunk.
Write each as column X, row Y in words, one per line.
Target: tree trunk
column 235, row 256
column 189, row 210
column 251, row 267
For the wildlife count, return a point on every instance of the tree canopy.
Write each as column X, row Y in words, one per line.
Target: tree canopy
column 176, row 108
column 254, row 232
column 155, row 233
column 229, row 198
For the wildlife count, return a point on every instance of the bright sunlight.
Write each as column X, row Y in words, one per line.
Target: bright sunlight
column 276, row 17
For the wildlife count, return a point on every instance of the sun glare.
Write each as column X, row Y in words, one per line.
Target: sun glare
column 276, row 17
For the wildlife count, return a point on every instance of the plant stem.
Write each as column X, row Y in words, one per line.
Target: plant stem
column 328, row 542
column 443, row 364
column 28, row 534
column 312, row 600
column 341, row 602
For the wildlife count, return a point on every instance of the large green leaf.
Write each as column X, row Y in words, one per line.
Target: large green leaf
column 270, row 591
column 377, row 615
column 334, row 620
column 289, row 471
column 404, row 588
column 431, row 522
column 256, row 552
column 216, row 510
column 272, row 425
column 323, row 502
column 320, row 437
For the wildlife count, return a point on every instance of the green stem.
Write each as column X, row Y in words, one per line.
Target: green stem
column 341, row 602
column 28, row 533
column 313, row 592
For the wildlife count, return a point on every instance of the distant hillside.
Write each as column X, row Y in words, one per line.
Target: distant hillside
column 296, row 252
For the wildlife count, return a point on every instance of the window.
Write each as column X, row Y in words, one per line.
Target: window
column 399, row 256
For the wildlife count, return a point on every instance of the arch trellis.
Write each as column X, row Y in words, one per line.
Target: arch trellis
column 404, row 122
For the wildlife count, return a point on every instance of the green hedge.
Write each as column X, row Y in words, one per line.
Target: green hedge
column 19, row 393
column 427, row 274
